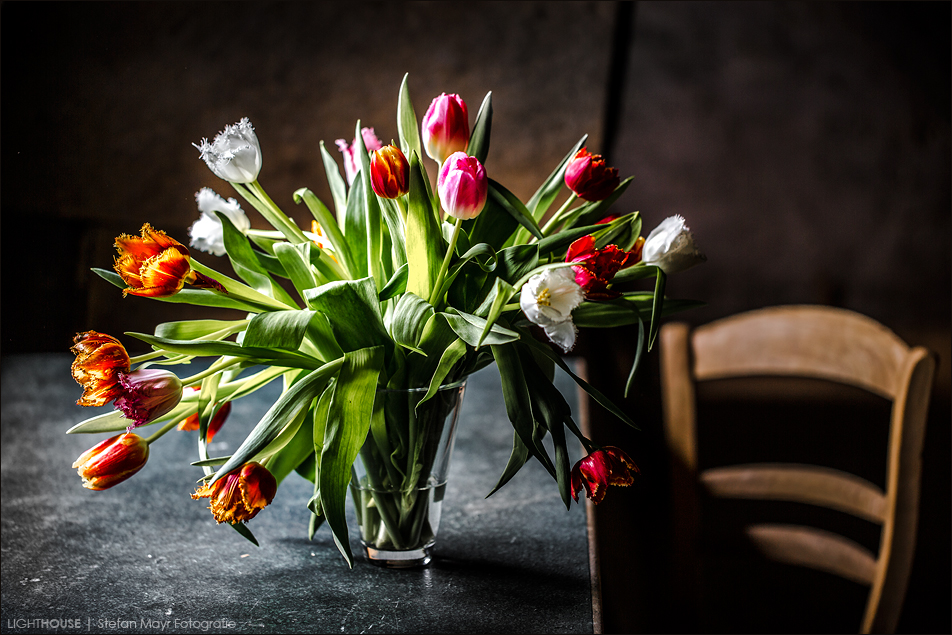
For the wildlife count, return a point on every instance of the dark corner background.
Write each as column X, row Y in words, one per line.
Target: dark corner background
column 806, row 144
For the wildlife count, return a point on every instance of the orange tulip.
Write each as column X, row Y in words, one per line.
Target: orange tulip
column 100, row 359
column 218, row 420
column 241, row 494
column 155, row 265
column 112, row 461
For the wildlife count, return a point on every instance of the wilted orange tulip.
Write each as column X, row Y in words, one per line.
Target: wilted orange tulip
column 601, row 468
column 241, row 494
column 112, row 461
column 100, row 359
column 155, row 265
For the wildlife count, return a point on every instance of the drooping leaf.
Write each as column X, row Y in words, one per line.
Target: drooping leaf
column 518, row 406
column 348, row 422
column 470, row 329
column 199, row 297
column 286, row 409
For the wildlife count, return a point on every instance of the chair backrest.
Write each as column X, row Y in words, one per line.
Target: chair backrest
column 821, row 343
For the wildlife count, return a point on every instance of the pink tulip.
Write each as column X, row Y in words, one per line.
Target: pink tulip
column 445, row 127
column 462, row 186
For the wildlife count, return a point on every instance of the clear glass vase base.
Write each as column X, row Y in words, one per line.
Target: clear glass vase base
column 399, row 559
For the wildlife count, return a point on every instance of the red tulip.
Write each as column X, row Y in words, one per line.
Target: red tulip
column 587, row 175
column 595, row 268
column 112, row 461
column 601, row 468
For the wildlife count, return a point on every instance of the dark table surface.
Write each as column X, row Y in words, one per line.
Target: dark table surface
column 144, row 557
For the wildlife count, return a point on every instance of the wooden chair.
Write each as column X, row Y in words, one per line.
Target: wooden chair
column 820, row 343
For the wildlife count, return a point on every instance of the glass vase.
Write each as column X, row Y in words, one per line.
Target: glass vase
column 399, row 479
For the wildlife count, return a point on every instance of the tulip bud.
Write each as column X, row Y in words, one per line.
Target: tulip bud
column 389, row 172
column 148, row 394
column 671, row 247
column 463, row 186
column 587, row 175
column 445, row 127
column 112, row 461
column 239, row 495
column 235, row 154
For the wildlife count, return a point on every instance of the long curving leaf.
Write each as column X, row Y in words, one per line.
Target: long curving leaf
column 540, row 201
column 479, row 140
column 470, row 329
column 371, row 214
column 194, row 329
column 518, row 405
column 596, row 394
column 199, row 297
column 296, row 260
column 514, row 207
column 348, row 422
column 327, row 221
column 425, row 245
column 396, row 285
column 407, row 126
column 204, row 348
column 336, row 183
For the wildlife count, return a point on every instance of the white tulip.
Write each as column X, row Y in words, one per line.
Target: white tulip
column 206, row 233
column 234, row 155
column 548, row 299
column 671, row 247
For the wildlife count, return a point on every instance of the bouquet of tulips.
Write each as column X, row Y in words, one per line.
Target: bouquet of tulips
column 403, row 286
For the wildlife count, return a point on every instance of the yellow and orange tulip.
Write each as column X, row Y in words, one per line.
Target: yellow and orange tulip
column 241, row 494
column 154, row 265
column 100, row 359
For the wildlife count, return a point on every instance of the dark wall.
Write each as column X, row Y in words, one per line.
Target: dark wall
column 807, row 144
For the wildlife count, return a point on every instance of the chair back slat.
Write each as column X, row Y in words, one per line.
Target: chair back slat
column 815, row 485
column 801, row 341
column 814, row 548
